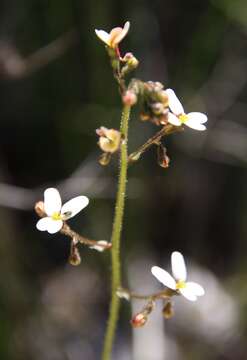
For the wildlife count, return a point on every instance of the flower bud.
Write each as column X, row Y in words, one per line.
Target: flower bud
column 74, row 258
column 157, row 108
column 138, row 320
column 104, row 159
column 39, row 208
column 168, row 311
column 163, row 97
column 129, row 98
column 131, row 60
column 144, row 116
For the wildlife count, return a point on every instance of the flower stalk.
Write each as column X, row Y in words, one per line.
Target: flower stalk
column 154, row 140
column 116, row 236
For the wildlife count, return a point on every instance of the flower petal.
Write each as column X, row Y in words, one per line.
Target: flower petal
column 54, row 226
column 42, row 224
column 195, row 121
column 202, row 118
column 117, row 36
column 174, row 104
column 194, row 124
column 178, row 266
column 52, row 201
column 74, row 206
column 164, row 277
column 188, row 294
column 103, row 35
column 195, row 288
column 173, row 119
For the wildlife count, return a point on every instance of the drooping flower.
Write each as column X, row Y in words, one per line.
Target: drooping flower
column 115, row 36
column 56, row 213
column 190, row 290
column 177, row 115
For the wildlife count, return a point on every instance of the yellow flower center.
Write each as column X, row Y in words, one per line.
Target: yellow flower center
column 183, row 118
column 56, row 216
column 180, row 284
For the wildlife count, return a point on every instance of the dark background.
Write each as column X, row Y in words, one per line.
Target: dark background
column 51, row 101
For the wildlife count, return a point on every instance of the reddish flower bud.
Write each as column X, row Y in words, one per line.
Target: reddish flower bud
column 129, row 98
column 139, row 320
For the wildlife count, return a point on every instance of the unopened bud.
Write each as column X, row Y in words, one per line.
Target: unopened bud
column 104, row 159
column 157, row 108
column 158, row 86
column 163, row 159
column 139, row 320
column 168, row 311
column 163, row 97
column 129, row 98
column 39, row 208
column 144, row 116
column 131, row 64
column 131, row 60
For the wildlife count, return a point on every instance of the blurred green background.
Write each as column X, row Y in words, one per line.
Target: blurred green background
column 52, row 100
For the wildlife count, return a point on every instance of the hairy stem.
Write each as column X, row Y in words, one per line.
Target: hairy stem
column 116, row 236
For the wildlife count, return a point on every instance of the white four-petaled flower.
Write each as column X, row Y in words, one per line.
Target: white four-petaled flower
column 177, row 116
column 56, row 213
column 115, row 36
column 190, row 290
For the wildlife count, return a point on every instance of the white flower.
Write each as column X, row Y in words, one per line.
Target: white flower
column 177, row 116
column 190, row 290
column 56, row 213
column 115, row 36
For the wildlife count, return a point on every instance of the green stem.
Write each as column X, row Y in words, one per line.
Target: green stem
column 116, row 236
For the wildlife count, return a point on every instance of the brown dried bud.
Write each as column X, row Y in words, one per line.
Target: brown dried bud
column 163, row 159
column 104, row 159
column 168, row 311
column 144, row 116
column 74, row 258
column 39, row 208
column 129, row 98
column 109, row 140
column 139, row 320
